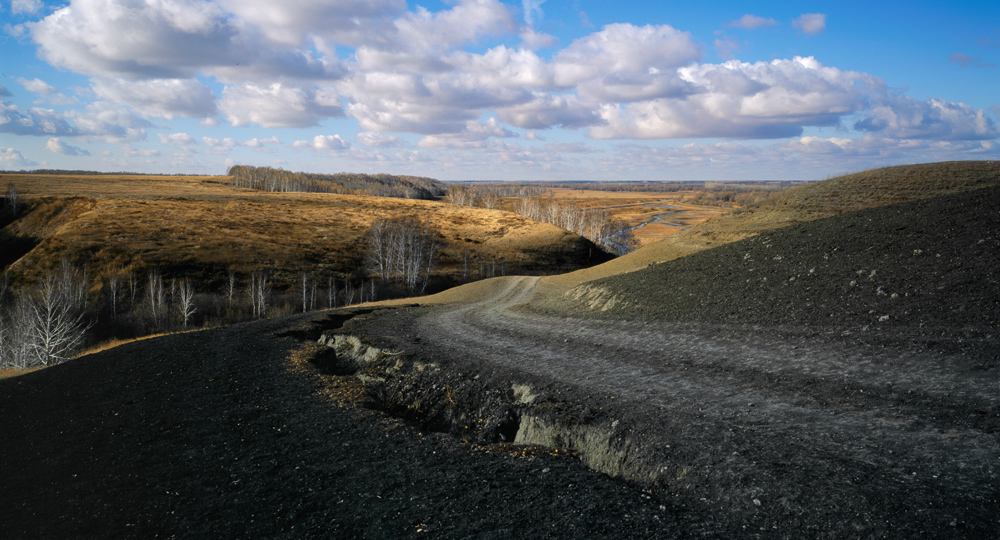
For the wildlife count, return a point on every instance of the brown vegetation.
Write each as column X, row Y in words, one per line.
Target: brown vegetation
column 200, row 227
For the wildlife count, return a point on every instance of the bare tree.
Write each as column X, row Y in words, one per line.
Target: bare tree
column 12, row 201
column 156, row 298
column 115, row 289
column 331, row 293
column 259, row 292
column 348, row 292
column 133, row 289
column 230, row 289
column 186, row 304
column 401, row 250
column 57, row 319
column 305, row 292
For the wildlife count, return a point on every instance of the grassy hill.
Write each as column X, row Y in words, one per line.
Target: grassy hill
column 200, row 227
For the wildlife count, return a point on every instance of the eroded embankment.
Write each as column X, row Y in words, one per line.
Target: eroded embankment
column 487, row 408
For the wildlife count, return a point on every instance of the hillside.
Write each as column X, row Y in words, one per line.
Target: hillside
column 200, row 227
column 868, row 189
column 925, row 270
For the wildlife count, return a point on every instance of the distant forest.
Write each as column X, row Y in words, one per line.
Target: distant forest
column 379, row 185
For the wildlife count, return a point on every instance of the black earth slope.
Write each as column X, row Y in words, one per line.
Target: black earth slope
column 925, row 273
column 209, row 435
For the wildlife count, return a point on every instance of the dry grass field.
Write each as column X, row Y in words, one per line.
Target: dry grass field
column 200, row 227
column 656, row 215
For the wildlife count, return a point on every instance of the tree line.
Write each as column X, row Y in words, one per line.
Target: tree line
column 65, row 310
column 601, row 227
column 378, row 185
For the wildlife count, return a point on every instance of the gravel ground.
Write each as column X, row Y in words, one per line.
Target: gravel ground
column 211, row 435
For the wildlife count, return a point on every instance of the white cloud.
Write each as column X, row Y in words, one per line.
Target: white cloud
column 743, row 100
column 56, row 146
column 130, row 151
column 11, row 159
column 373, row 139
column 163, row 39
column 36, row 121
column 159, row 98
column 290, row 22
column 4, row 92
column 36, row 85
column 110, row 121
column 752, row 22
column 180, row 139
column 276, row 105
column 532, row 8
column 324, row 142
column 474, row 135
column 810, row 24
column 25, row 6
column 536, row 40
column 895, row 115
column 259, row 143
column 217, row 146
column 623, row 62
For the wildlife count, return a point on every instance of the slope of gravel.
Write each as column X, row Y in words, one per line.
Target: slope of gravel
column 924, row 272
column 210, row 435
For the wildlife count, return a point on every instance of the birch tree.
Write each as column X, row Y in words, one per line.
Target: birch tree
column 185, row 305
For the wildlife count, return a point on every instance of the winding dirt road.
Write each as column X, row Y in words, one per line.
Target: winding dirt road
column 768, row 427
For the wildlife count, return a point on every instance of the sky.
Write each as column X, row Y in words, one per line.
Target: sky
column 499, row 90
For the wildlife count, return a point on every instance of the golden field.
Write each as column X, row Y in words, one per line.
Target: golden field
column 201, row 227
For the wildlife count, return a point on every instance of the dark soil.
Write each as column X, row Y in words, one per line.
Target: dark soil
column 923, row 273
column 210, row 435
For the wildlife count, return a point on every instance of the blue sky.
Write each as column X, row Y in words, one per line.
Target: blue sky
column 499, row 90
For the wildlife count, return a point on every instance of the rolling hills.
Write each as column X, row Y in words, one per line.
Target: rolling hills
column 821, row 365
column 201, row 227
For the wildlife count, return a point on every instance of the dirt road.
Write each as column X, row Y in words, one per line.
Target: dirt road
column 761, row 429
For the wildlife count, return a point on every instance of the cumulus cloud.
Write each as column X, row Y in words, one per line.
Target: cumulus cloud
column 473, row 136
column 10, row 159
column 290, row 22
column 743, row 100
column 165, row 39
column 159, row 98
column 36, row 85
column 626, row 63
column 179, row 139
column 110, row 121
column 56, row 146
column 810, row 24
column 260, row 143
column 379, row 140
column 277, row 105
column 752, row 22
column 36, row 121
column 899, row 116
column 4, row 92
column 219, row 146
column 324, row 142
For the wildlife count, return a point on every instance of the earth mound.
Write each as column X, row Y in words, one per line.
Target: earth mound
column 924, row 269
